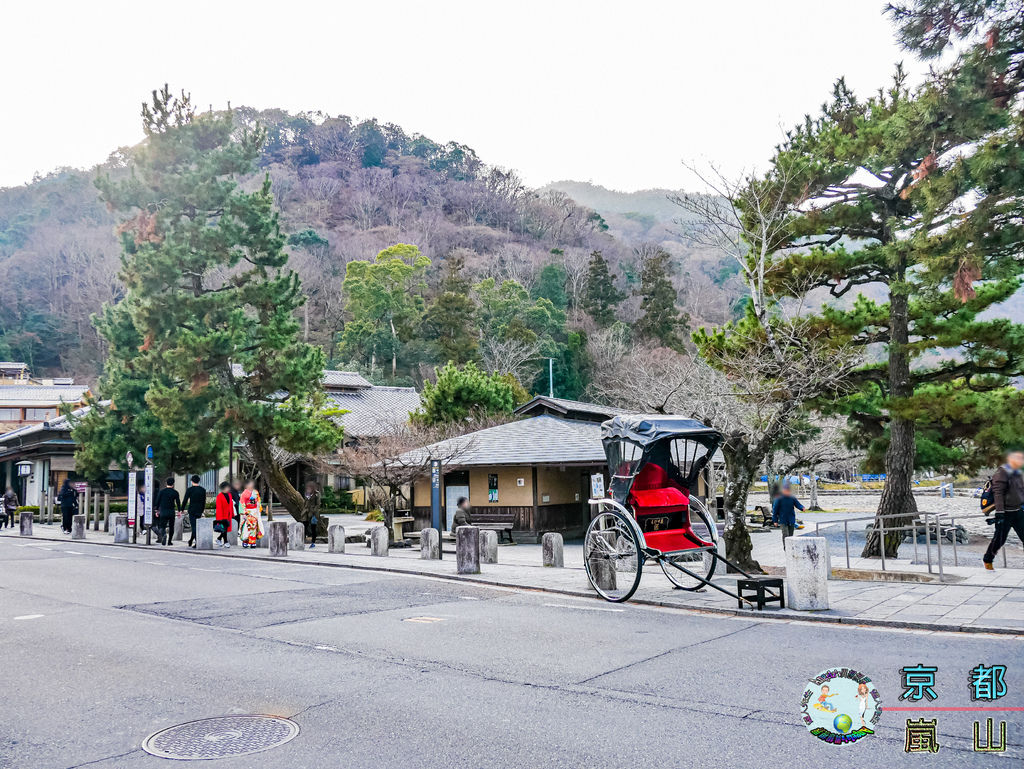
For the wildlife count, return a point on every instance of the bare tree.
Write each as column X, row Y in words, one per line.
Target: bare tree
column 508, row 356
column 400, row 454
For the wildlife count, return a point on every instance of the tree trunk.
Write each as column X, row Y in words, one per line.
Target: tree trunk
column 274, row 475
column 738, row 547
column 897, row 499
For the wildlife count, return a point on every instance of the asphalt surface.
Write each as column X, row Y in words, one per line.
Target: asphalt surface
column 105, row 646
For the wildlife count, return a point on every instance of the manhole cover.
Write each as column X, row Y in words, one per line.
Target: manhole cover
column 221, row 737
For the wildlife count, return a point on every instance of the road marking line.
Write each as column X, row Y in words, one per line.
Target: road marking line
column 327, row 648
column 156, row 563
column 73, row 552
column 469, row 598
column 581, row 608
column 29, row 616
column 196, row 568
column 113, row 557
column 423, row 620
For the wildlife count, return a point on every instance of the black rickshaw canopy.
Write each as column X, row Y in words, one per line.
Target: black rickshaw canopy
column 648, row 428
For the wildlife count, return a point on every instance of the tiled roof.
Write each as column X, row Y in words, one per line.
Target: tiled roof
column 565, row 406
column 543, row 440
column 344, row 379
column 42, row 395
column 374, row 410
column 55, row 424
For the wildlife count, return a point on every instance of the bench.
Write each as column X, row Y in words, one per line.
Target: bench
column 398, row 525
column 501, row 528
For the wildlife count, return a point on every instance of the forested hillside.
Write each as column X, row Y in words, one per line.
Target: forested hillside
column 509, row 266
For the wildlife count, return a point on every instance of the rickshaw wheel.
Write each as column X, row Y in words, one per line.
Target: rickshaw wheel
column 612, row 556
column 702, row 563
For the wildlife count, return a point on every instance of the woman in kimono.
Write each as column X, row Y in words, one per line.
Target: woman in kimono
column 252, row 526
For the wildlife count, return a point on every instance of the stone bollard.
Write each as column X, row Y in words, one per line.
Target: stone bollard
column 467, row 550
column 488, row 546
column 552, row 550
column 336, row 539
column 264, row 541
column 78, row 527
column 26, row 523
column 430, row 545
column 121, row 530
column 235, row 533
column 106, row 512
column 204, row 534
column 277, row 536
column 379, row 541
column 807, row 573
column 296, row 535
column 602, row 568
column 179, row 528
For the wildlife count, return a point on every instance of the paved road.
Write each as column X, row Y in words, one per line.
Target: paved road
column 104, row 646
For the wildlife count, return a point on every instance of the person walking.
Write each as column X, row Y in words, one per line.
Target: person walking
column 462, row 514
column 784, row 511
column 312, row 511
column 8, row 506
column 1008, row 498
column 68, row 498
column 168, row 503
column 195, row 503
column 224, row 514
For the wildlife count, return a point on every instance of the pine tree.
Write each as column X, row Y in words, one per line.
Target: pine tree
column 450, row 320
column 210, row 295
column 601, row 296
column 662, row 321
column 919, row 195
column 467, row 392
column 551, row 286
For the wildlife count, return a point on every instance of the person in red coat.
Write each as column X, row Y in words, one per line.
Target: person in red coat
column 225, row 513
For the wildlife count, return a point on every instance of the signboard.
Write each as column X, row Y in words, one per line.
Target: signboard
column 148, row 497
column 597, row 486
column 133, row 497
column 80, row 486
column 435, row 494
column 492, row 487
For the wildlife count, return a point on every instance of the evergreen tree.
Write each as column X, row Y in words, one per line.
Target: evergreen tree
column 123, row 421
column 919, row 195
column 662, row 321
column 385, row 299
column 573, row 367
column 551, row 286
column 467, row 392
column 210, row 295
column 601, row 296
column 450, row 319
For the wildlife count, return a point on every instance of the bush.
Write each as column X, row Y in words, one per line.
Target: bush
column 375, row 515
column 27, row 509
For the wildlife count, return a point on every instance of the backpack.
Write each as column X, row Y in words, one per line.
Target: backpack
column 988, row 501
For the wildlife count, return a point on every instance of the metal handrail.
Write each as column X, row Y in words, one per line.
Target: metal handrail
column 940, row 519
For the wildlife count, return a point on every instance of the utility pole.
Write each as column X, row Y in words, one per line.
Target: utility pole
column 551, row 377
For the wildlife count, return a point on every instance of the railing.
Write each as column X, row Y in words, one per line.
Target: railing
column 932, row 522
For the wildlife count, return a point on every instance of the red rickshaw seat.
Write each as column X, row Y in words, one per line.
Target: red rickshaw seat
column 654, row 496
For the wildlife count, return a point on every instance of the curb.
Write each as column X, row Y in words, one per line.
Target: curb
column 722, row 611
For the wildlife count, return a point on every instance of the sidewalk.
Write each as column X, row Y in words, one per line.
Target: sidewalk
column 974, row 608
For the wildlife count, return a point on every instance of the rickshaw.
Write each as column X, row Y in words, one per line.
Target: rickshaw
column 652, row 511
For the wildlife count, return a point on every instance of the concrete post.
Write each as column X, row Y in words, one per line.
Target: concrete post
column 807, row 573
column 379, row 541
column 26, row 523
column 235, row 533
column 121, row 531
column 106, row 511
column 84, row 507
column 296, row 535
column 78, row 527
column 204, row 534
column 179, row 528
column 467, row 550
column 336, row 539
column 602, row 568
column 96, row 511
column 264, row 541
column 277, row 534
column 48, row 509
column 488, row 546
column 552, row 550
column 430, row 545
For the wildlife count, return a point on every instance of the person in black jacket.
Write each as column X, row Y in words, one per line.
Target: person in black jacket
column 168, row 502
column 195, row 502
column 68, row 498
column 1008, row 497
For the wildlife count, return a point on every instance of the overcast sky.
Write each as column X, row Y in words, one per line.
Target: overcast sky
column 617, row 93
